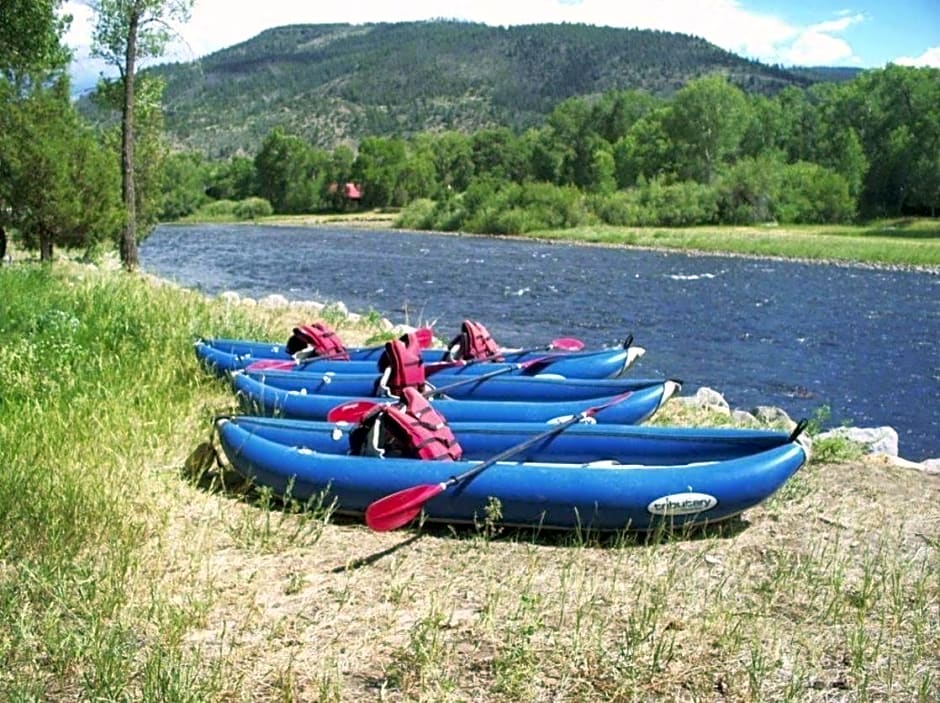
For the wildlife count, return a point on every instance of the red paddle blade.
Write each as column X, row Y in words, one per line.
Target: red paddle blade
column 567, row 344
column 270, row 364
column 401, row 507
column 425, row 337
column 352, row 411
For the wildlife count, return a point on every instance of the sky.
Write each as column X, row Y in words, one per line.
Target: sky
column 859, row 33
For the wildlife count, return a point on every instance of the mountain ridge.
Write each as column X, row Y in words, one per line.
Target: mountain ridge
column 337, row 83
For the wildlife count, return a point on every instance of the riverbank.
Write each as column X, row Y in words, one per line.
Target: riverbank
column 911, row 243
column 127, row 571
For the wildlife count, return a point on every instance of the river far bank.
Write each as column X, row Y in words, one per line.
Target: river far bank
column 129, row 569
column 908, row 243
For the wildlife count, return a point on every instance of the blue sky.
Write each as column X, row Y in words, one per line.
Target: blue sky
column 861, row 33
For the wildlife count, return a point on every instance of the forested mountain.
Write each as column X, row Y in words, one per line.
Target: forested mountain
column 333, row 84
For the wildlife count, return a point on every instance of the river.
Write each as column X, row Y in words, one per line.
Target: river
column 862, row 342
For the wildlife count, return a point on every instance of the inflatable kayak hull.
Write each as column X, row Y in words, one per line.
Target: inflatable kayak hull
column 530, row 494
column 602, row 363
column 641, row 403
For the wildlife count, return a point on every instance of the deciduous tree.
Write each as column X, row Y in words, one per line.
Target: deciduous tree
column 127, row 32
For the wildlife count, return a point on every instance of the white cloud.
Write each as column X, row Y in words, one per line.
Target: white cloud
column 931, row 58
column 818, row 45
column 813, row 48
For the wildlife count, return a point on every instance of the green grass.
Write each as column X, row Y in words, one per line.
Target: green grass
column 124, row 578
column 891, row 243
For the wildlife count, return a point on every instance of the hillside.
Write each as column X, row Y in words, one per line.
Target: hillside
column 338, row 83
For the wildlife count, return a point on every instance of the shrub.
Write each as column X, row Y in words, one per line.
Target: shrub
column 418, row 214
column 251, row 208
column 812, row 193
column 218, row 208
column 747, row 191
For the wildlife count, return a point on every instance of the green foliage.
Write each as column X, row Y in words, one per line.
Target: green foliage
column 418, row 214
column 59, row 185
column 705, row 124
column 184, row 185
column 658, row 203
column 252, row 208
column 494, row 207
column 150, row 146
column 765, row 189
column 748, row 189
column 894, row 112
column 30, row 38
column 380, row 167
column 810, row 193
column 708, row 154
column 290, row 173
column 145, row 23
column 235, row 179
column 219, row 208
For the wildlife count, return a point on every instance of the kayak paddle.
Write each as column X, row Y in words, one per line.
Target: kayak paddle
column 401, row 507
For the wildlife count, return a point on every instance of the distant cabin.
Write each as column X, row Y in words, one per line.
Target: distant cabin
column 351, row 191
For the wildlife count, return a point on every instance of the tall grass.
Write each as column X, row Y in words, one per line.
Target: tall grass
column 97, row 399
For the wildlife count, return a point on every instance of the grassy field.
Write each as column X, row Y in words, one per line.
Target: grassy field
column 126, row 576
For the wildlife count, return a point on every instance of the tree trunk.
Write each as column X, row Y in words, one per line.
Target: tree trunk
column 128, row 194
column 45, row 246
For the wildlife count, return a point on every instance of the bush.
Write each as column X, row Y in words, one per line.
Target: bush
column 810, row 193
column 748, row 190
column 251, row 208
column 619, row 209
column 419, row 214
column 218, row 208
column 659, row 204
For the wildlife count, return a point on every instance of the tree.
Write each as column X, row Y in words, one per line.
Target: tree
column 895, row 113
column 30, row 35
column 59, row 182
column 290, row 172
column 709, row 116
column 128, row 31
column 235, row 179
column 453, row 160
column 378, row 167
column 184, row 184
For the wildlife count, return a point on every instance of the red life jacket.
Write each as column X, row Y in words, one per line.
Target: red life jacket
column 321, row 337
column 420, row 429
column 475, row 342
column 404, row 363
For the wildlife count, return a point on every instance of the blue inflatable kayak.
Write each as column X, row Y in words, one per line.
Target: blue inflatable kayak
column 537, row 388
column 273, row 350
column 579, row 444
column 531, row 492
column 262, row 399
column 600, row 363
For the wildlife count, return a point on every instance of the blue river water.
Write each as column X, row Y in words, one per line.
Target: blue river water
column 863, row 342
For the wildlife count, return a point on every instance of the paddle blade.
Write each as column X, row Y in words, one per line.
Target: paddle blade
column 351, row 412
column 271, row 365
column 401, row 507
column 567, row 344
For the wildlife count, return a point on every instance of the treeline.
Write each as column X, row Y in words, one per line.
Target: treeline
column 710, row 154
